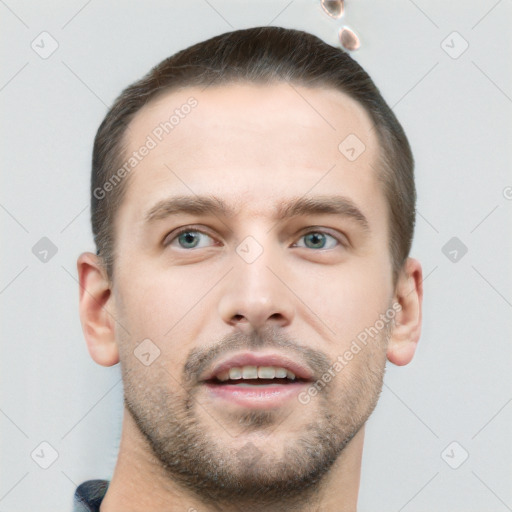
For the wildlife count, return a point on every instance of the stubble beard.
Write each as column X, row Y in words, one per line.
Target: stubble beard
column 178, row 430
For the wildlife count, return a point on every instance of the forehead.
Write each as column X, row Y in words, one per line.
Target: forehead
column 251, row 144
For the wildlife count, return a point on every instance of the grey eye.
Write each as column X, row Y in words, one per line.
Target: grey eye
column 318, row 240
column 191, row 239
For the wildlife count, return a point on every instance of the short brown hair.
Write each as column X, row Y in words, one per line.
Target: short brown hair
column 263, row 55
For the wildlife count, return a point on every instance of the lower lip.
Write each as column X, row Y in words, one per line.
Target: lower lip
column 263, row 396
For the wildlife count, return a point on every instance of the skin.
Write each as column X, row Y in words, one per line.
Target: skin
column 255, row 147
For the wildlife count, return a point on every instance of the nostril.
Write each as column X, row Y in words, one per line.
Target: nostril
column 238, row 318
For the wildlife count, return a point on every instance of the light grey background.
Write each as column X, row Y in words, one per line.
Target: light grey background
column 456, row 113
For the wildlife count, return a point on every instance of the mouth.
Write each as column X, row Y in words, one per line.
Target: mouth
column 251, row 375
column 257, row 381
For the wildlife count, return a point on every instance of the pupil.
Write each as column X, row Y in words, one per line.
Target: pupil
column 188, row 238
column 316, row 239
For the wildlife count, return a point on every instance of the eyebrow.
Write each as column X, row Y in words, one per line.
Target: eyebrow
column 302, row 206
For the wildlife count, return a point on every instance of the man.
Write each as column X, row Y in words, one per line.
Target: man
column 253, row 206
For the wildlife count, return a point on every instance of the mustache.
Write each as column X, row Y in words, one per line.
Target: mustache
column 270, row 337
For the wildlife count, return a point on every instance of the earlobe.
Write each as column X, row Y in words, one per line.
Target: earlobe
column 95, row 303
column 407, row 329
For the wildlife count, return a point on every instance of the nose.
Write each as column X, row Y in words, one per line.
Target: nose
column 254, row 296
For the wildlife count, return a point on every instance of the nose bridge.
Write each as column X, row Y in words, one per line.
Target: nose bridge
column 253, row 295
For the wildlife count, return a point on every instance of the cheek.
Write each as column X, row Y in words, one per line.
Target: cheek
column 159, row 305
column 348, row 300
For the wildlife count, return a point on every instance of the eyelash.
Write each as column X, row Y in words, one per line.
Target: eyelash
column 193, row 229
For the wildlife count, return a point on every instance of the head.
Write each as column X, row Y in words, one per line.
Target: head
column 252, row 194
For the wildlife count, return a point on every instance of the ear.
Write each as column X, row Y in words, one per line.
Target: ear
column 95, row 304
column 407, row 329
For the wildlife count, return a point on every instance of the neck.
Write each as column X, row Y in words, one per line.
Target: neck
column 140, row 482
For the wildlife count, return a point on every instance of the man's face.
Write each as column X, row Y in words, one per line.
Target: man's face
column 248, row 287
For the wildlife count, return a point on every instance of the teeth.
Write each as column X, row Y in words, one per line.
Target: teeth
column 223, row 376
column 249, row 372
column 255, row 372
column 266, row 372
column 281, row 373
column 235, row 373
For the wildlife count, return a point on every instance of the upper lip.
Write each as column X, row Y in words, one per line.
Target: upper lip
column 300, row 370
